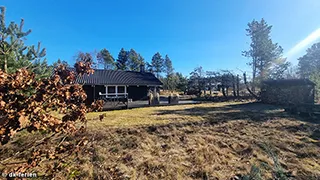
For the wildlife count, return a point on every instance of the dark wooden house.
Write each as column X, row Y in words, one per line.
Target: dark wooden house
column 288, row 91
column 118, row 84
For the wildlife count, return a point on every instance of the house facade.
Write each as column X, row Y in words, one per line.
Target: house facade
column 118, row 84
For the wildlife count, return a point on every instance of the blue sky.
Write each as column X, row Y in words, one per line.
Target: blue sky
column 207, row 33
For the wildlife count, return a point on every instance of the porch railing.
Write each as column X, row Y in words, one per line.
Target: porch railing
column 114, row 95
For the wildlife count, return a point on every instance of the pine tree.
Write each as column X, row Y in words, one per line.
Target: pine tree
column 141, row 60
column 263, row 52
column 149, row 68
column 310, row 62
column 104, row 57
column 315, row 77
column 122, row 60
column 42, row 69
column 157, row 64
column 309, row 66
column 135, row 60
column 14, row 54
column 168, row 66
column 170, row 79
column 182, row 82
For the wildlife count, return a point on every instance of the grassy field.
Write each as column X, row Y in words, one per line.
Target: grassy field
column 204, row 141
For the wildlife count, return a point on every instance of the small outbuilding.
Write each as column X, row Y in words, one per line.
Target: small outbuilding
column 288, row 91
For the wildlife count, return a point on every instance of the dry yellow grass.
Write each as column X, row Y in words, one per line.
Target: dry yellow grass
column 168, row 93
column 149, row 116
column 204, row 141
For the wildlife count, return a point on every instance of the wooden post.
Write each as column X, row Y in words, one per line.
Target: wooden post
column 238, row 86
column 116, row 91
column 125, row 91
column 106, row 91
column 210, row 86
column 94, row 93
column 127, row 105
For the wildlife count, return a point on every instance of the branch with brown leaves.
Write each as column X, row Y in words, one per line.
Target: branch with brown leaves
column 27, row 103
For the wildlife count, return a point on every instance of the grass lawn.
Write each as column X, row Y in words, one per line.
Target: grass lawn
column 203, row 141
column 152, row 115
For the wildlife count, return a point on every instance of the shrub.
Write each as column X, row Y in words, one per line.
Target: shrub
column 173, row 99
column 315, row 77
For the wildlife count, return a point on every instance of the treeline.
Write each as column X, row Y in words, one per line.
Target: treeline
column 265, row 59
column 129, row 61
column 160, row 66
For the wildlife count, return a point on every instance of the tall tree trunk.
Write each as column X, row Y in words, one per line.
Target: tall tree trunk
column 254, row 68
column 253, row 89
column 234, row 85
column 223, row 91
column 227, row 91
column 210, row 86
column 238, row 85
column 246, row 83
column 5, row 68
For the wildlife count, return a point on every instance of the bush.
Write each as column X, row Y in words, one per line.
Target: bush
column 255, row 174
column 173, row 99
column 315, row 77
column 154, row 98
column 194, row 92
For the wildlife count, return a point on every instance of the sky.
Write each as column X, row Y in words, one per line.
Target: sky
column 193, row 33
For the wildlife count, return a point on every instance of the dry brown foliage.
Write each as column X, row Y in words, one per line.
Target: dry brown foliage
column 26, row 103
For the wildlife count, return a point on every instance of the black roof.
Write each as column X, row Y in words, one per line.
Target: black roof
column 290, row 82
column 119, row 77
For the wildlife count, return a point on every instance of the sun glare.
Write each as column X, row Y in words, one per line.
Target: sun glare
column 315, row 35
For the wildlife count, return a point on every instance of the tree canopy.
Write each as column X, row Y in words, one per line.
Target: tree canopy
column 104, row 57
column 263, row 52
column 197, row 80
column 157, row 63
column 168, row 68
column 14, row 54
column 182, row 82
column 309, row 66
column 310, row 62
column 122, row 60
column 135, row 60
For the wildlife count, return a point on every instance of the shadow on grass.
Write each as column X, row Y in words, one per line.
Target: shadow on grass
column 252, row 112
column 249, row 111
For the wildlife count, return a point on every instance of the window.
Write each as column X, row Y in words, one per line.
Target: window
column 111, row 89
column 120, row 89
